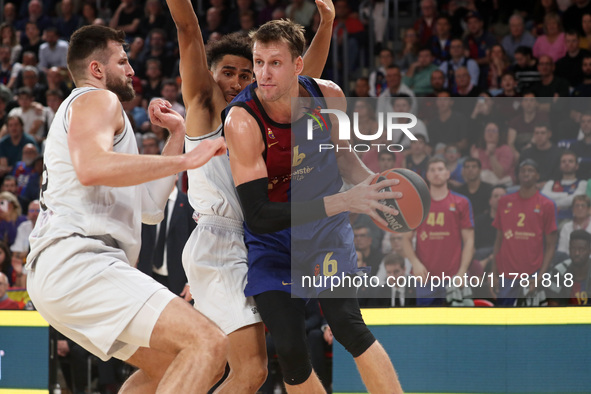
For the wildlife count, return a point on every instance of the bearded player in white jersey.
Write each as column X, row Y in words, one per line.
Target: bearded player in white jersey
column 215, row 255
column 96, row 192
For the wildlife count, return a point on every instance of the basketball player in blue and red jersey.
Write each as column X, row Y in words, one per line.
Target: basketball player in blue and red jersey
column 445, row 240
column 259, row 133
column 526, row 235
column 215, row 257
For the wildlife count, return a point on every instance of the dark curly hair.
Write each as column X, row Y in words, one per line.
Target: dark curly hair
column 236, row 44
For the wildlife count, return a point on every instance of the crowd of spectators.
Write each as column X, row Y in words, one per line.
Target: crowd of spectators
column 500, row 90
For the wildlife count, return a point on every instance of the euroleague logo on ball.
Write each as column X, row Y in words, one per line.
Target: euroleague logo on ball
column 388, row 121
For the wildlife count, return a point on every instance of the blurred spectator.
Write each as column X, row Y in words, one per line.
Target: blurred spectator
column 21, row 242
column 572, row 17
column 388, row 160
column 483, row 112
column 425, row 25
column 14, row 272
column 154, row 18
column 585, row 39
column 525, row 68
column 376, row 10
column 563, row 190
column 347, row 21
column 23, row 169
column 497, row 158
column 3, row 113
column 68, row 21
column 484, row 232
column 10, row 216
column 31, row 80
column 552, row 42
column 418, row 157
column 55, row 81
column 445, row 240
column 454, row 164
column 152, row 86
column 265, row 15
column 32, row 189
column 479, row 42
column 410, row 50
column 9, row 16
column 157, row 48
column 437, row 83
column 9, row 185
column 89, row 13
column 581, row 220
column 361, row 87
column 16, row 79
column 213, row 23
column 397, row 291
column 127, row 18
column 464, row 88
column 545, row 154
column 440, row 42
column 368, row 246
column 35, row 16
column 526, row 234
column 244, row 7
column 54, row 99
column 150, row 144
column 541, row 9
column 11, row 145
column 9, row 37
column 498, row 65
column 457, row 60
column 477, row 191
column 395, row 88
column 5, row 64
column 33, row 115
column 508, row 101
column 517, row 36
column 170, row 92
column 570, row 67
column 402, row 104
column 301, row 11
column 377, row 78
column 53, row 52
column 32, row 39
column 418, row 75
column 582, row 148
column 574, row 291
column 584, row 89
column 521, row 127
column 5, row 302
column 448, row 125
column 135, row 110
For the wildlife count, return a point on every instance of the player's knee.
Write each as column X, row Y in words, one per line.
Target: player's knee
column 251, row 376
column 294, row 361
column 347, row 325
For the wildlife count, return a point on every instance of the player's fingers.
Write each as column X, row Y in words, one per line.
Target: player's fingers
column 377, row 218
column 386, row 183
column 387, row 209
column 367, row 180
column 388, row 195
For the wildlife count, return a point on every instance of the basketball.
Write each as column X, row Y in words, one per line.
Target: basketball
column 413, row 205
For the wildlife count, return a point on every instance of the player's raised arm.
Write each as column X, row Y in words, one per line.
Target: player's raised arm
column 200, row 92
column 316, row 55
column 90, row 140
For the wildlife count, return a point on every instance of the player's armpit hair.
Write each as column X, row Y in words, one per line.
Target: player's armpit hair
column 263, row 216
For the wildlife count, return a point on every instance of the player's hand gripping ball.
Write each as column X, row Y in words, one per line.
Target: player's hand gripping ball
column 414, row 204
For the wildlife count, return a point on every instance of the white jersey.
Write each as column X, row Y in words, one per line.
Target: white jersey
column 211, row 187
column 112, row 214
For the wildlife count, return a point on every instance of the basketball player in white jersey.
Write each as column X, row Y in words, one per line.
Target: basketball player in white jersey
column 215, row 255
column 94, row 198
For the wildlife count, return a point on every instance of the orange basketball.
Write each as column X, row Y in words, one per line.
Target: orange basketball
column 413, row 205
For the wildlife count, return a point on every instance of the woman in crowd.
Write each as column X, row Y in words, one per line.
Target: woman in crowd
column 497, row 158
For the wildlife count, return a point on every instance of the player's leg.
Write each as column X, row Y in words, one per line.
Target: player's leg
column 248, row 360
column 198, row 349
column 347, row 325
column 285, row 318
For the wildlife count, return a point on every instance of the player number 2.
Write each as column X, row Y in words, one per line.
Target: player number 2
column 329, row 267
column 521, row 219
column 432, row 220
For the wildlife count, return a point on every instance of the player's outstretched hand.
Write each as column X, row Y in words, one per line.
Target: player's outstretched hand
column 326, row 10
column 205, row 151
column 162, row 114
column 364, row 198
